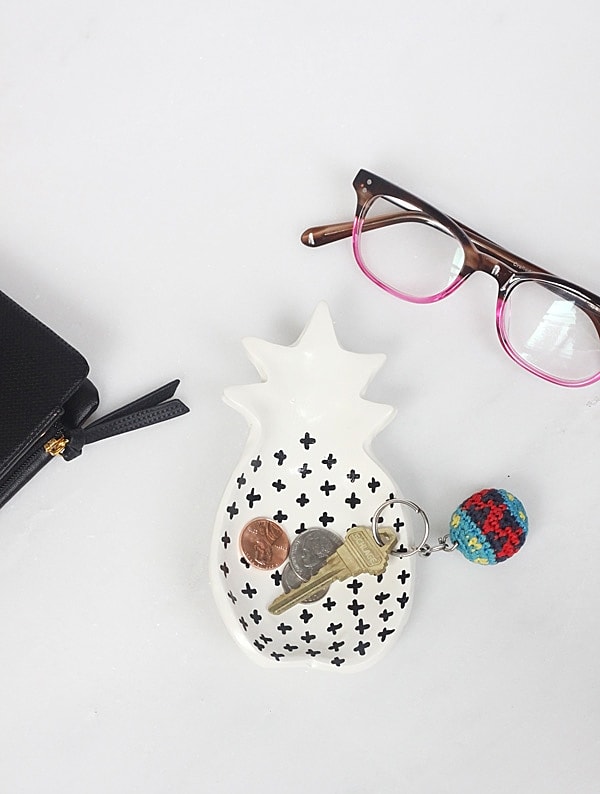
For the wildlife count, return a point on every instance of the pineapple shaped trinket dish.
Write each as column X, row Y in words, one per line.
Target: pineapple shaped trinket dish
column 306, row 476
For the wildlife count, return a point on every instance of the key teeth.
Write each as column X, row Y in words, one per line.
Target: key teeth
column 297, row 595
column 359, row 554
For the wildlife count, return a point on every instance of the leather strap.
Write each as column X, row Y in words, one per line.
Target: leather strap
column 147, row 410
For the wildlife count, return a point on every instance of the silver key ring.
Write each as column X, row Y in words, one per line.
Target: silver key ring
column 418, row 511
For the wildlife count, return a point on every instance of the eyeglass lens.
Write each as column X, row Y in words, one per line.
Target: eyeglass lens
column 548, row 328
column 408, row 253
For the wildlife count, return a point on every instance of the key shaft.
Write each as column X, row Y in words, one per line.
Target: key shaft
column 359, row 553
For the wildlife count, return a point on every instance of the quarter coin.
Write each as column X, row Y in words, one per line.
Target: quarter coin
column 290, row 581
column 264, row 544
column 310, row 550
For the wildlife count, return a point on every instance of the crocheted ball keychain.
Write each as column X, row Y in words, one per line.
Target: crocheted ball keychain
column 487, row 528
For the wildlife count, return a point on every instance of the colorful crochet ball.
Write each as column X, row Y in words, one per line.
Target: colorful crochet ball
column 489, row 527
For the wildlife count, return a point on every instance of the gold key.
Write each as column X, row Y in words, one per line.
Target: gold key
column 359, row 553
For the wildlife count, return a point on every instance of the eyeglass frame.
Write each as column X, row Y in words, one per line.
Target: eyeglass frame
column 480, row 254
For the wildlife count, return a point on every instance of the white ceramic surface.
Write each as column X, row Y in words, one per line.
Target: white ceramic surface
column 307, row 463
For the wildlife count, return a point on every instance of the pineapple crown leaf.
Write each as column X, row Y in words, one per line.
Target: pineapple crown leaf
column 312, row 375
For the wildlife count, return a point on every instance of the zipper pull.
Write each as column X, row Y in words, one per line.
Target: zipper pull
column 56, row 446
column 148, row 410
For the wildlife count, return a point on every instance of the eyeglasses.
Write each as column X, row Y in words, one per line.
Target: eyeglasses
column 549, row 326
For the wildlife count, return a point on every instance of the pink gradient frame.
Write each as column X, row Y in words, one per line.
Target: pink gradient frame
column 356, row 231
column 480, row 254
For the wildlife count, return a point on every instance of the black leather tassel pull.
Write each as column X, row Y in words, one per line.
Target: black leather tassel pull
column 148, row 410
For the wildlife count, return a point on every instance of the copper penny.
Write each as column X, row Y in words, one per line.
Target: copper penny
column 264, row 544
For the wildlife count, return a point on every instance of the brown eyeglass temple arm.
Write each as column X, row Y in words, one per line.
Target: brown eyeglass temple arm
column 321, row 235
column 330, row 233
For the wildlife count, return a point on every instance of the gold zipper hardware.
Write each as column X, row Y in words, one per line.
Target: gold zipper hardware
column 56, row 446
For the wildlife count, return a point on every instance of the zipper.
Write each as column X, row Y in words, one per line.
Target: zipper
column 52, row 426
column 56, row 446
column 31, row 461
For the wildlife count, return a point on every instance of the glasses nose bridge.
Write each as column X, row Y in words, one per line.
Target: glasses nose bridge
column 495, row 268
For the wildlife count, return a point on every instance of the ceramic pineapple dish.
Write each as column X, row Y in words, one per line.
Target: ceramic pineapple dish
column 307, row 464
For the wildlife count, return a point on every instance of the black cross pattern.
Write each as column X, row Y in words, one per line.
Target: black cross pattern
column 308, row 637
column 225, row 540
column 256, row 463
column 385, row 615
column 225, row 568
column 329, row 604
column 336, row 645
column 355, row 607
column 337, row 661
column 249, row 590
column 312, row 652
column 241, row 480
column 233, row 510
column 304, row 470
column 244, row 562
column 385, row 633
column 355, row 586
column 278, row 485
column 306, row 441
column 266, row 640
column 373, row 484
column 302, row 528
column 326, row 519
column 231, row 597
column 381, row 597
column 256, row 616
column 244, row 623
column 361, row 648
column 253, row 497
column 398, row 525
column 329, row 461
column 352, row 500
column 353, row 476
column 327, row 487
column 361, row 626
column 281, row 456
column 305, row 615
column 334, row 628
column 277, row 656
column 290, row 648
column 284, row 628
column 280, row 516
column 402, row 577
column 276, row 577
column 403, row 600
column 303, row 500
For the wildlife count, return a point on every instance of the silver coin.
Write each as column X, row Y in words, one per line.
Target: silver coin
column 290, row 581
column 310, row 550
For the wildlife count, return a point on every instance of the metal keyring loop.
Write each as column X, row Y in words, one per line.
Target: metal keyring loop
column 418, row 511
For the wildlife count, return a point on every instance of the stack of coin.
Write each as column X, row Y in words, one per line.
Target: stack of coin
column 308, row 554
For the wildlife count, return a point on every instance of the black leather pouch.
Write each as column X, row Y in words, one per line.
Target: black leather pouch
column 46, row 399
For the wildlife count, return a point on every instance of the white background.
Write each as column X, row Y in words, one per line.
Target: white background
column 159, row 161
